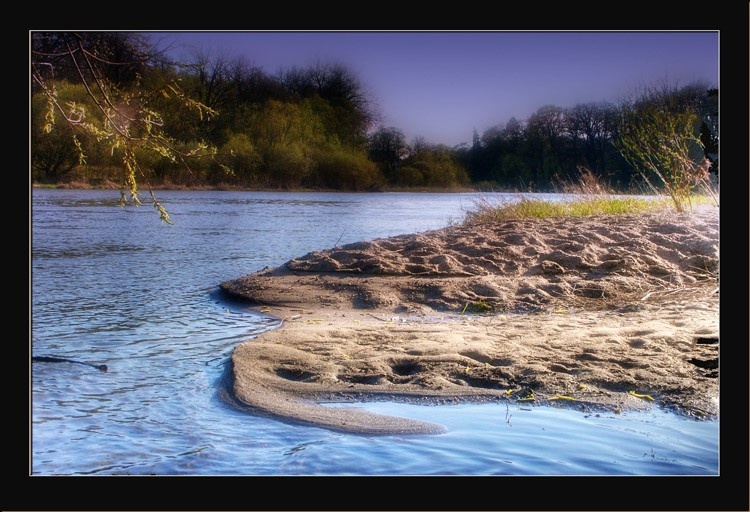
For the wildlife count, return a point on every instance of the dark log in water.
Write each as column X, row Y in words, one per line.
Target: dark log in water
column 48, row 359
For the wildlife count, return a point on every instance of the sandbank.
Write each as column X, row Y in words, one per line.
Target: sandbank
column 610, row 313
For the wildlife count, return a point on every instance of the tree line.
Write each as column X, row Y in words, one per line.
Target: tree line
column 111, row 107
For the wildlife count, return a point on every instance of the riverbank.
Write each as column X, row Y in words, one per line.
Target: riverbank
column 596, row 313
column 223, row 187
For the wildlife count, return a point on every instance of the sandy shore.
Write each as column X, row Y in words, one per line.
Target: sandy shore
column 605, row 312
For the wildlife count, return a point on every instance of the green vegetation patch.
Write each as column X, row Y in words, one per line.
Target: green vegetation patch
column 525, row 208
column 477, row 307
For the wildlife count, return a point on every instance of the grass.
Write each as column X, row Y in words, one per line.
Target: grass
column 592, row 197
column 538, row 209
column 477, row 307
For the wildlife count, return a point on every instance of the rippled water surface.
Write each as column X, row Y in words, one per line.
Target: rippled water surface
column 118, row 287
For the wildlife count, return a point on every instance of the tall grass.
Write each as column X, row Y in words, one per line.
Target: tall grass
column 592, row 197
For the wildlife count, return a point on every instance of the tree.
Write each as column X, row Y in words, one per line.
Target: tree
column 110, row 66
column 513, row 131
column 509, row 149
column 284, row 134
column 659, row 134
column 548, row 128
column 387, row 147
column 431, row 165
column 344, row 167
column 710, row 129
column 228, row 85
column 56, row 153
column 240, row 155
column 590, row 126
column 119, row 57
column 347, row 108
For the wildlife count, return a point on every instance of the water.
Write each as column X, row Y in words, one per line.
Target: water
column 117, row 287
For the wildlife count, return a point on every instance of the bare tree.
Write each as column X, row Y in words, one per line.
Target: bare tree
column 388, row 147
column 591, row 125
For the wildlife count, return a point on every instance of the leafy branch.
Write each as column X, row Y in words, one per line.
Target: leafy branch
column 118, row 117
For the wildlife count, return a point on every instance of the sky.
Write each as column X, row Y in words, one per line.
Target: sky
column 444, row 85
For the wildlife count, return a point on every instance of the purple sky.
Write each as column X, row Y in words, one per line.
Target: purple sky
column 443, row 85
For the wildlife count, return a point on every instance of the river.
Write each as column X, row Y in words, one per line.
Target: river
column 116, row 286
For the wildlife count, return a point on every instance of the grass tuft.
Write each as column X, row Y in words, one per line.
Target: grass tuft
column 525, row 208
column 590, row 197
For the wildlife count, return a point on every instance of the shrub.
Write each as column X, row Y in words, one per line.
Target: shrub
column 343, row 168
column 659, row 134
column 410, row 176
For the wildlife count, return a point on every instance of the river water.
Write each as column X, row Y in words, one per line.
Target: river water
column 116, row 286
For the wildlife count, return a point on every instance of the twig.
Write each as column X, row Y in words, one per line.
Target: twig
column 675, row 290
column 340, row 237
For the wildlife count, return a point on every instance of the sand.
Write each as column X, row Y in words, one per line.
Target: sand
column 609, row 313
